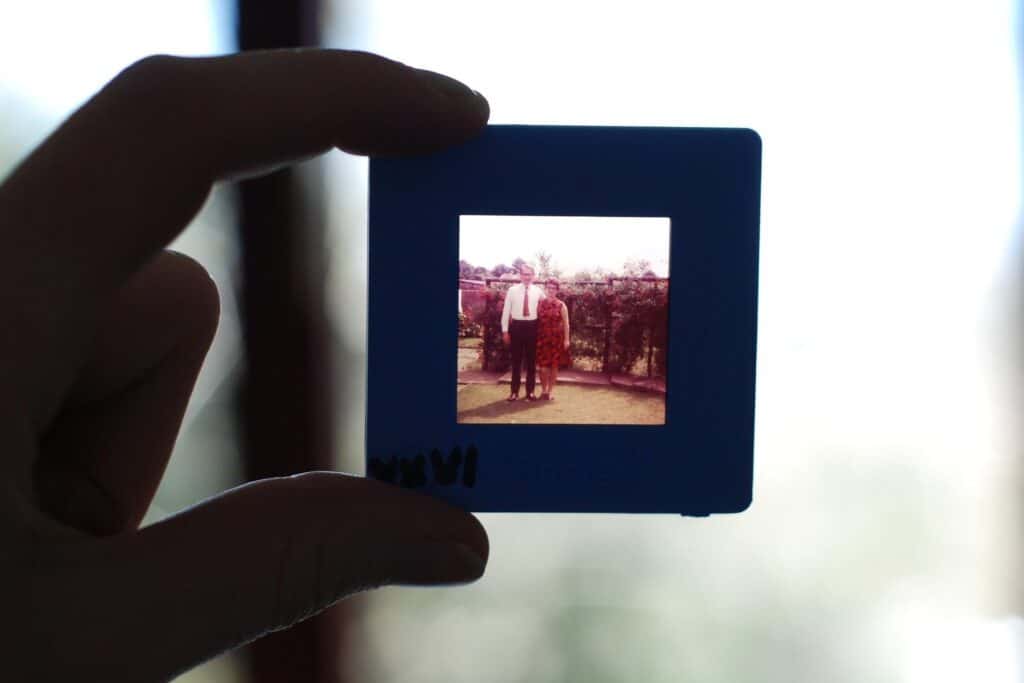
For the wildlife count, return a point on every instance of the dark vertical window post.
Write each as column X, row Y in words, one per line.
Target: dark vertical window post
column 285, row 396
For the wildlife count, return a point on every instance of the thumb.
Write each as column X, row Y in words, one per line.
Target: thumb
column 259, row 558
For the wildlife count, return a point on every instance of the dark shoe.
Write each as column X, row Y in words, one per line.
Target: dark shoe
column 531, row 397
column 512, row 397
column 545, row 397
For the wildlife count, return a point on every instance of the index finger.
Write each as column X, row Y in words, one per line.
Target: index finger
column 124, row 175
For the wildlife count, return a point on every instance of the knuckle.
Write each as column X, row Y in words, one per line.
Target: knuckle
column 150, row 73
column 153, row 96
column 196, row 299
column 305, row 584
column 202, row 289
column 317, row 560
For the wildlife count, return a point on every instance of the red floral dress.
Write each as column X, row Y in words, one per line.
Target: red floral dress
column 551, row 334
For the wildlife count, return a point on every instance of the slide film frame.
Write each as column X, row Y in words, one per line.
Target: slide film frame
column 700, row 462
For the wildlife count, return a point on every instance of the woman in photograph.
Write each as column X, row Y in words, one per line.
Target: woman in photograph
column 552, row 338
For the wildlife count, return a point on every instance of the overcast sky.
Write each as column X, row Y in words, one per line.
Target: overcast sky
column 575, row 242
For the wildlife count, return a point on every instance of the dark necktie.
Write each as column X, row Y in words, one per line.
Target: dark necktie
column 526, row 301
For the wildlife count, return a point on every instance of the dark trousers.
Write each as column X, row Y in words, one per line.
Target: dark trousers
column 523, row 335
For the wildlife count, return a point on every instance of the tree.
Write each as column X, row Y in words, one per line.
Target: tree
column 465, row 269
column 543, row 264
column 591, row 275
column 501, row 269
column 546, row 267
column 518, row 264
column 636, row 268
column 583, row 276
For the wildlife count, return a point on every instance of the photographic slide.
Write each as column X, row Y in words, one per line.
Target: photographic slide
column 562, row 320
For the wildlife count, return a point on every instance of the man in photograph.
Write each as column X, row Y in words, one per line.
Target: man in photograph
column 519, row 330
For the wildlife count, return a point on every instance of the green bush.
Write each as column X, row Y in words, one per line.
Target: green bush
column 496, row 356
column 639, row 317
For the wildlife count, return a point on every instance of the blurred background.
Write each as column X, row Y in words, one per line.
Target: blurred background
column 886, row 538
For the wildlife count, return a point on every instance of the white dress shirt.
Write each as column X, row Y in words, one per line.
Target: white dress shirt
column 514, row 304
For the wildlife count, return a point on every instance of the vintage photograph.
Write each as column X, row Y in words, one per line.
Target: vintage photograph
column 562, row 320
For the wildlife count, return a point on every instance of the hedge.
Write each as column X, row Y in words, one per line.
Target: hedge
column 635, row 310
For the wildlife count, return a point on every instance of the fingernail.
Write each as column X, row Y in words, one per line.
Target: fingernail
column 434, row 564
column 449, row 86
column 471, row 561
column 459, row 92
column 424, row 562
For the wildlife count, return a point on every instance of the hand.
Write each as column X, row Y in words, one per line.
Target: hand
column 565, row 345
column 103, row 336
column 507, row 338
